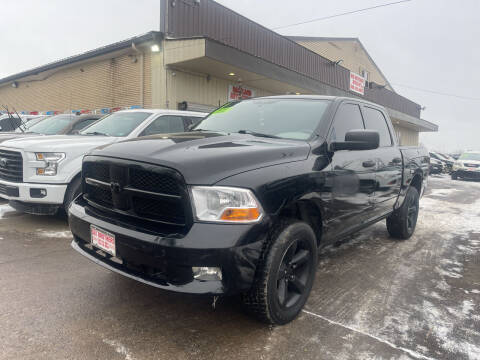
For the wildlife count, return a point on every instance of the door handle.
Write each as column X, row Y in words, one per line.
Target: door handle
column 368, row 163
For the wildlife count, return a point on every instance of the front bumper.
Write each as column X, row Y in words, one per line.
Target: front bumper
column 29, row 192
column 166, row 261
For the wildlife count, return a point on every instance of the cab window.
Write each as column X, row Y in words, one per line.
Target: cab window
column 82, row 124
column 165, row 124
column 374, row 120
column 348, row 117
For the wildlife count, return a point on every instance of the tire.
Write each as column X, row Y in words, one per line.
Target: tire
column 285, row 274
column 73, row 190
column 401, row 224
column 454, row 176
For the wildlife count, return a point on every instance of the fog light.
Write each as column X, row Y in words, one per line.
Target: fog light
column 207, row 273
column 38, row 193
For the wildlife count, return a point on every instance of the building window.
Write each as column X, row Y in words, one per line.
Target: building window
column 365, row 74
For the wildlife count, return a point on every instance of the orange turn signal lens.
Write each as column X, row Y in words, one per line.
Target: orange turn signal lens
column 248, row 214
column 40, row 171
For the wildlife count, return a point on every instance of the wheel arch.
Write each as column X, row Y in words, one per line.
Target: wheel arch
column 73, row 178
column 307, row 211
column 417, row 182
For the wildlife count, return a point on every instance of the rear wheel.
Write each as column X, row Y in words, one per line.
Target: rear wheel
column 401, row 224
column 285, row 275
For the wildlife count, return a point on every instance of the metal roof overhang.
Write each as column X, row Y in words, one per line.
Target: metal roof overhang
column 209, row 57
column 102, row 53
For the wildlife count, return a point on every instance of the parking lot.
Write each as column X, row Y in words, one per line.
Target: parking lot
column 373, row 297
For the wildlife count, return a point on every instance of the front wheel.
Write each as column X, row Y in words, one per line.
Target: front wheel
column 454, row 176
column 285, row 275
column 73, row 190
column 402, row 222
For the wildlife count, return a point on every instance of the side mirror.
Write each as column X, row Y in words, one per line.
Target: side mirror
column 358, row 140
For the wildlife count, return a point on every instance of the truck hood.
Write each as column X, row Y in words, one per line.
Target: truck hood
column 464, row 162
column 11, row 135
column 206, row 158
column 59, row 143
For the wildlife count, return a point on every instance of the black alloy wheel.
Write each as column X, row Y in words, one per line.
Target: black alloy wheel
column 402, row 222
column 285, row 274
column 292, row 275
column 412, row 215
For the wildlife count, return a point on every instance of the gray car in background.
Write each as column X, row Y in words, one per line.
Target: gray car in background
column 63, row 124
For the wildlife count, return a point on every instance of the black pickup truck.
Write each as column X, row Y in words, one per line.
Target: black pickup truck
column 241, row 203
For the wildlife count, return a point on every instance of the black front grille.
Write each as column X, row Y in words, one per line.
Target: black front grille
column 151, row 181
column 11, row 166
column 101, row 196
column 136, row 192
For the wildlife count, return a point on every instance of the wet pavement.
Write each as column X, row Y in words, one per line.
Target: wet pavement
column 373, row 297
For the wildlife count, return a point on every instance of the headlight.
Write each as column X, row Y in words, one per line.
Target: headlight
column 457, row 164
column 225, row 204
column 51, row 162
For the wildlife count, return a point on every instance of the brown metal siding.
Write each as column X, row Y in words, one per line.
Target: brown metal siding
column 209, row 19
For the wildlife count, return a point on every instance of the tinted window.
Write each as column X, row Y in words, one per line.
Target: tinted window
column 164, row 125
column 191, row 121
column 82, row 124
column 52, row 125
column 374, row 120
column 348, row 117
column 117, row 124
column 285, row 118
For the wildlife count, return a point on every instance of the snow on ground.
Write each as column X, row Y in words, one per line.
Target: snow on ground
column 119, row 348
column 426, row 304
column 55, row 234
column 6, row 210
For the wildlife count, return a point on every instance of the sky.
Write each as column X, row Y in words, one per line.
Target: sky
column 421, row 44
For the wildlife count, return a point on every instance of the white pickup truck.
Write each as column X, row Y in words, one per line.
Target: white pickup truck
column 39, row 175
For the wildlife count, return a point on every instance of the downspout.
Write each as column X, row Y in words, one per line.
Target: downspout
column 142, row 74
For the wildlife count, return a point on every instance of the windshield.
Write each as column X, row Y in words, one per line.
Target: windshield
column 117, row 124
column 284, row 118
column 26, row 126
column 470, row 156
column 445, row 156
column 52, row 125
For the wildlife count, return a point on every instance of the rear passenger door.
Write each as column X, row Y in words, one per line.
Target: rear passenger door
column 352, row 174
column 388, row 159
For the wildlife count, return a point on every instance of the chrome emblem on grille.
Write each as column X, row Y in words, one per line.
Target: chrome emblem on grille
column 3, row 162
column 115, row 187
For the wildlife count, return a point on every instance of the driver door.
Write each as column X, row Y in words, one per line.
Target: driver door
column 352, row 174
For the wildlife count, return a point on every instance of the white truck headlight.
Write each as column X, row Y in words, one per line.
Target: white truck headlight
column 225, row 204
column 457, row 164
column 51, row 160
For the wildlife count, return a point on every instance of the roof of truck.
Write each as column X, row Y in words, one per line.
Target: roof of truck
column 320, row 97
column 166, row 111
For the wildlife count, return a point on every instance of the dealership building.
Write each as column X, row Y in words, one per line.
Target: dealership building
column 203, row 56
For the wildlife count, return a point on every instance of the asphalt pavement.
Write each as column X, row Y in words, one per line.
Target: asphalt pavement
column 374, row 297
